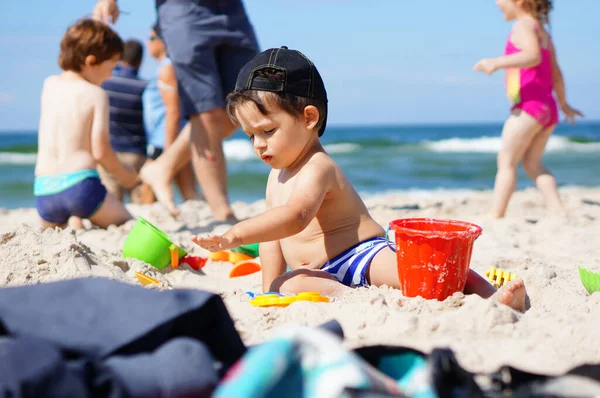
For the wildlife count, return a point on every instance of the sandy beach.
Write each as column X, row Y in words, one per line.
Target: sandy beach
column 560, row 330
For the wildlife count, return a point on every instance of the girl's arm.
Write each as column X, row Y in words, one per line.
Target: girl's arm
column 525, row 37
column 167, row 85
column 559, row 88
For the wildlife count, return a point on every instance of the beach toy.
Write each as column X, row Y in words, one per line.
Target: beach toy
column 244, row 268
column 219, row 256
column 499, row 277
column 231, row 257
column 590, row 280
column 250, row 250
column 273, row 299
column 433, row 255
column 147, row 243
column 194, row 261
column 145, row 279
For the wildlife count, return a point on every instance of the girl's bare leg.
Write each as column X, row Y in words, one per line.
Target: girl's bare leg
column 544, row 180
column 517, row 135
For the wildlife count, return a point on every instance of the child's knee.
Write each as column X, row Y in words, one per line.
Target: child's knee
column 506, row 160
column 531, row 167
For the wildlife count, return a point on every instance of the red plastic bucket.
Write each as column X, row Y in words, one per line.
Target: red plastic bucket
column 433, row 255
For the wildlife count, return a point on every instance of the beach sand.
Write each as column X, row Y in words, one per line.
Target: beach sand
column 560, row 330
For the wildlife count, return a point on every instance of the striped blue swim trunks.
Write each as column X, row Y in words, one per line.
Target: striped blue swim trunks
column 350, row 267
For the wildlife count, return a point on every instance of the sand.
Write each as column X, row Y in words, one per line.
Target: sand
column 560, row 330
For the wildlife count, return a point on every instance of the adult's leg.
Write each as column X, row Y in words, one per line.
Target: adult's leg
column 544, row 180
column 186, row 182
column 208, row 160
column 159, row 173
column 517, row 134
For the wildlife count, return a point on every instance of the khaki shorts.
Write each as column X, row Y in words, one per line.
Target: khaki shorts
column 134, row 161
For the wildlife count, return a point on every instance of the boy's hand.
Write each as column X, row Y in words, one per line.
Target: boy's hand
column 106, row 11
column 570, row 113
column 216, row 243
column 486, row 65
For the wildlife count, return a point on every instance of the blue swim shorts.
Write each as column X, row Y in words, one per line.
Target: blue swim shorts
column 208, row 42
column 71, row 194
column 350, row 267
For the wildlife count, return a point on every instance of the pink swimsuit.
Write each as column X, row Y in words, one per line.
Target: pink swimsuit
column 530, row 89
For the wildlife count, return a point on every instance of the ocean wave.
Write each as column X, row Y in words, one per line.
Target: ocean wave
column 494, row 144
column 342, row 147
column 238, row 150
column 17, row 158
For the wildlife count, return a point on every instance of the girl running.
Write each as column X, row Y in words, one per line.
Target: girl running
column 532, row 76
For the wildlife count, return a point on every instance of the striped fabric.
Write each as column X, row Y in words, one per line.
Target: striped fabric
column 125, row 88
column 350, row 267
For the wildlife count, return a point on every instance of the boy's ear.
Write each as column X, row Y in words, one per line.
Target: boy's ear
column 90, row 60
column 311, row 117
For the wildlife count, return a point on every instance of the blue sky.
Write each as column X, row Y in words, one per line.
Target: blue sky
column 383, row 61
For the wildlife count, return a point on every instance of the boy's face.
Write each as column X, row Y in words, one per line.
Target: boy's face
column 278, row 138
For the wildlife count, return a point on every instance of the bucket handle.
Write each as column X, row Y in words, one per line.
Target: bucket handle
column 174, row 249
column 387, row 231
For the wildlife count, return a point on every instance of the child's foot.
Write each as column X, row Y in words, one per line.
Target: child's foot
column 75, row 223
column 513, row 294
column 161, row 185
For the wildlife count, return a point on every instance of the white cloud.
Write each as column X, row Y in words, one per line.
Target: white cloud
column 6, row 97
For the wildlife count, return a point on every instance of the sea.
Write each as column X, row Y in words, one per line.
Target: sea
column 420, row 159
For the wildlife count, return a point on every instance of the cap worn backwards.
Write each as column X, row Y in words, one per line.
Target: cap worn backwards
column 301, row 77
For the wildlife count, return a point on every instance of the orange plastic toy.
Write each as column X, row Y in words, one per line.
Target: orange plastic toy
column 244, row 268
column 231, row 257
column 433, row 255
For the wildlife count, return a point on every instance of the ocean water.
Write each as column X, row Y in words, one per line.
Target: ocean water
column 375, row 159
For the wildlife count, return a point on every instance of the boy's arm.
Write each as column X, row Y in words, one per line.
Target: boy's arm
column 101, row 149
column 170, row 97
column 272, row 263
column 271, row 257
column 524, row 36
column 280, row 222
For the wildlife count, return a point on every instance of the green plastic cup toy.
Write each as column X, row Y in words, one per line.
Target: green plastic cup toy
column 149, row 244
column 251, row 250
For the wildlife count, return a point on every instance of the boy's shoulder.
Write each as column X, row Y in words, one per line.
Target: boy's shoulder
column 56, row 82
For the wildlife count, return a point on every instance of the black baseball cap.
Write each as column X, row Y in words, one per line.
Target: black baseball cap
column 301, row 77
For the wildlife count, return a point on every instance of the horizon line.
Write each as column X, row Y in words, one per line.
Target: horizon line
column 399, row 124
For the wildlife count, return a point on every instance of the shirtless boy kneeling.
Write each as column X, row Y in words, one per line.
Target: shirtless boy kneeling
column 315, row 221
column 74, row 132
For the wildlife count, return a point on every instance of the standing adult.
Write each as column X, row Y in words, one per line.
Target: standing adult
column 208, row 42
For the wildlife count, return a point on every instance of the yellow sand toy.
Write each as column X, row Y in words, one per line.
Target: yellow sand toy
column 145, row 279
column 279, row 300
column 498, row 277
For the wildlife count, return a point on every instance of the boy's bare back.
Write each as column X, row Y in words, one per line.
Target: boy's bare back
column 341, row 221
column 72, row 110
